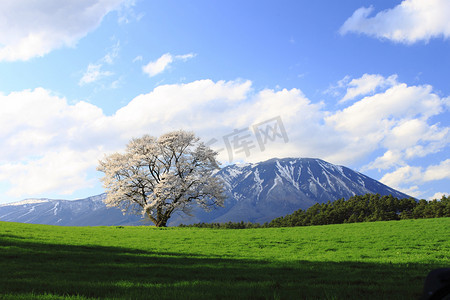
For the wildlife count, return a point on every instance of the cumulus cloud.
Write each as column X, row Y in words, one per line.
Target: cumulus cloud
column 438, row 172
column 389, row 159
column 403, row 176
column 409, row 22
column 215, row 109
column 47, row 143
column 439, row 195
column 383, row 118
column 35, row 28
column 394, row 118
column 35, row 121
column 63, row 172
column 407, row 175
column 158, row 66
column 43, row 134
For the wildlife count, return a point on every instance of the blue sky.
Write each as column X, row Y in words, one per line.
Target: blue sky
column 365, row 84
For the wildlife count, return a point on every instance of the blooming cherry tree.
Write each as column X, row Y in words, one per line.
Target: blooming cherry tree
column 158, row 176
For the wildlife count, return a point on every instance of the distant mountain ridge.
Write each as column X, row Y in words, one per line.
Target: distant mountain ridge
column 90, row 211
column 256, row 192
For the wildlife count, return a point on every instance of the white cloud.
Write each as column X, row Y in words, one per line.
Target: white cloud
column 404, row 176
column 94, row 73
column 438, row 172
column 34, row 28
column 158, row 66
column 334, row 90
column 438, row 196
column 376, row 113
column 35, row 121
column 408, row 22
column 50, row 145
column 112, row 54
column 409, row 135
column 62, row 172
column 396, row 119
column 215, row 109
column 138, row 58
column 41, row 132
column 155, row 67
column 389, row 159
column 127, row 14
column 366, row 124
column 47, row 144
column 367, row 84
column 185, row 57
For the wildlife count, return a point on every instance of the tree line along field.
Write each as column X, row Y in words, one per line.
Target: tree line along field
column 366, row 208
column 359, row 208
column 375, row 260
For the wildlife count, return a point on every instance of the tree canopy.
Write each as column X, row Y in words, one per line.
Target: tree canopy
column 158, row 176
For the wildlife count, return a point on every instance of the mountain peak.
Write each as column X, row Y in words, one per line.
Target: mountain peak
column 261, row 191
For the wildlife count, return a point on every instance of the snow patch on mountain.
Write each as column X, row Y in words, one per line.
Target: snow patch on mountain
column 287, row 171
column 276, row 181
column 26, row 202
column 258, row 183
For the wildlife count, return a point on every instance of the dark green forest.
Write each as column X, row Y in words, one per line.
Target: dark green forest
column 364, row 208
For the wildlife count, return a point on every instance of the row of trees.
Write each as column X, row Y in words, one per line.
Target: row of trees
column 227, row 225
column 365, row 208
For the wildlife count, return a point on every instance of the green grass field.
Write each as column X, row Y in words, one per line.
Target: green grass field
column 380, row 260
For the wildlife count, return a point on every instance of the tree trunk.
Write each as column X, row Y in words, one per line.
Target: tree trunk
column 161, row 219
column 161, row 223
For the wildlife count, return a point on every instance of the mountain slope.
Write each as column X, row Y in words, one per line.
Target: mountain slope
column 263, row 191
column 255, row 193
column 85, row 212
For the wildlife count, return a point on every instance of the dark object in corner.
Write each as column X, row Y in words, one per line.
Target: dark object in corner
column 437, row 285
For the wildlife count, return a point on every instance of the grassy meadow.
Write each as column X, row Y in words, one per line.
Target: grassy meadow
column 379, row 260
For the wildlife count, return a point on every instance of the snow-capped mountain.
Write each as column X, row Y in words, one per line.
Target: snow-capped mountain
column 84, row 212
column 256, row 192
column 263, row 191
